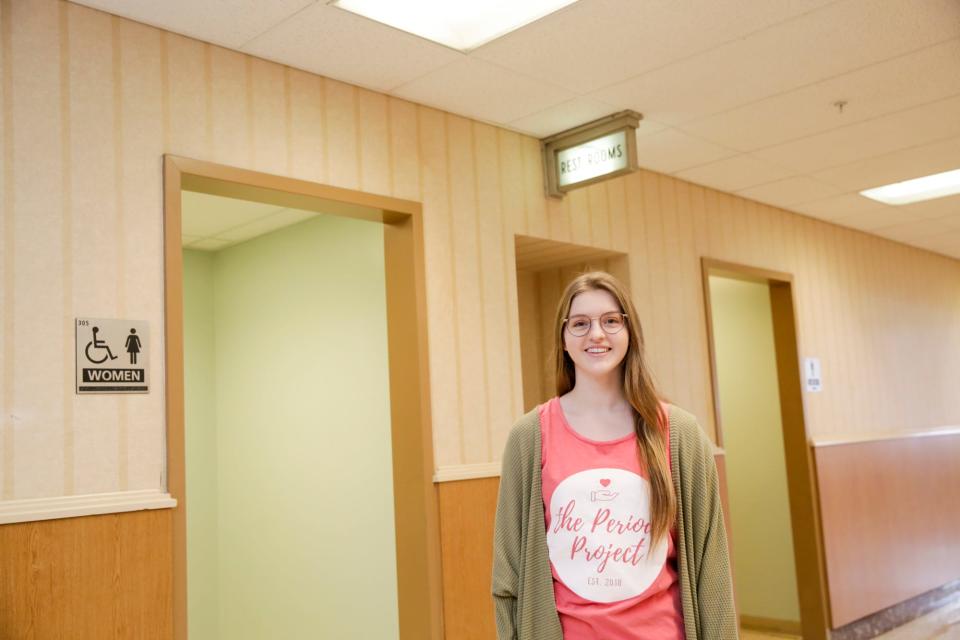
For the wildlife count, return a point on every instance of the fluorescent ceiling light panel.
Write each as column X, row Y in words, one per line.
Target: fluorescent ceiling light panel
column 460, row 24
column 937, row 185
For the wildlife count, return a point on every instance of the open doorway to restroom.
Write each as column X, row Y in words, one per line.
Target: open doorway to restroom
column 300, row 455
column 544, row 268
column 775, row 540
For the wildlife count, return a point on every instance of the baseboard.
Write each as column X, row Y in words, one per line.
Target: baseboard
column 35, row 509
column 899, row 614
column 772, row 625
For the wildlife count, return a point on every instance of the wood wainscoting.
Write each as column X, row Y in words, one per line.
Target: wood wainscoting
column 96, row 577
column 467, row 511
column 890, row 513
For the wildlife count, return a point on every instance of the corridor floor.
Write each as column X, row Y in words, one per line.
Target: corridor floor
column 942, row 624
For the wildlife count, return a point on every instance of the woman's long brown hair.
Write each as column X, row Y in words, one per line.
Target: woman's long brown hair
column 639, row 390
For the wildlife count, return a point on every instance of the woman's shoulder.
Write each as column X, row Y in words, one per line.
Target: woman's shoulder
column 686, row 429
column 522, row 450
column 680, row 418
column 526, row 428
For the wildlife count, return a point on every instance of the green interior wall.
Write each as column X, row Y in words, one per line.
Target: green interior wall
column 289, row 469
column 765, row 573
column 200, row 435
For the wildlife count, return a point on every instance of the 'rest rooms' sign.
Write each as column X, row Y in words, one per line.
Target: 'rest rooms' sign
column 112, row 356
column 591, row 152
column 592, row 159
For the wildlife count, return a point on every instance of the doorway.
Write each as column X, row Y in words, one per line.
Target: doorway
column 775, row 542
column 267, row 522
column 544, row 268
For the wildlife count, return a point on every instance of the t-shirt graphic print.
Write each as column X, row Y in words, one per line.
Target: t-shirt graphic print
column 608, row 582
column 599, row 537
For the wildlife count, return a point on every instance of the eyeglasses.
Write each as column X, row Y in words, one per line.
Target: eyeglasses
column 610, row 322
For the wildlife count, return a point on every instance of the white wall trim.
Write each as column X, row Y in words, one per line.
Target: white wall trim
column 456, row 472
column 830, row 441
column 86, row 505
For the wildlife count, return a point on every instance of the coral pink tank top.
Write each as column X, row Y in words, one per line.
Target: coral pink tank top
column 608, row 583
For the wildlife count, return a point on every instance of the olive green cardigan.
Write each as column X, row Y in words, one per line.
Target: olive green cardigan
column 522, row 582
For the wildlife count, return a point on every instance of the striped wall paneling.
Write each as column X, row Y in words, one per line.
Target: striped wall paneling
column 89, row 104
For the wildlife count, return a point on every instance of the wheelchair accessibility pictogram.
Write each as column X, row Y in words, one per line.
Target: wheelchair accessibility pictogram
column 96, row 343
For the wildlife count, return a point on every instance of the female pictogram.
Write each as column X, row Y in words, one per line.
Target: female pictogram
column 133, row 345
column 97, row 343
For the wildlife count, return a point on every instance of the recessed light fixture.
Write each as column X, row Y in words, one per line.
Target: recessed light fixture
column 929, row 187
column 459, row 24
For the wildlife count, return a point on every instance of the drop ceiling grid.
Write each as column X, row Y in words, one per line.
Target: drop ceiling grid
column 597, row 43
column 214, row 222
column 914, row 231
column 737, row 96
column 228, row 23
column 928, row 123
column 839, row 206
column 833, row 40
column 911, row 80
column 475, row 88
column 843, row 159
column 902, row 164
column 327, row 41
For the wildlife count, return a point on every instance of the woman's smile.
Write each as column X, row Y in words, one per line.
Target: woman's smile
column 598, row 351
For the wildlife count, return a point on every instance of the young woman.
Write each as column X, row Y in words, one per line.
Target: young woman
column 609, row 524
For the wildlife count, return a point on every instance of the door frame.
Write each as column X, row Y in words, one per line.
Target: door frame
column 419, row 593
column 798, row 451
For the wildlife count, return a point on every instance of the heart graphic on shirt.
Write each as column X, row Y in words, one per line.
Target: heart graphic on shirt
column 605, row 482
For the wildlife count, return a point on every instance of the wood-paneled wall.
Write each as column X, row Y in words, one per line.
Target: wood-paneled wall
column 890, row 513
column 91, row 102
column 94, row 578
column 467, row 510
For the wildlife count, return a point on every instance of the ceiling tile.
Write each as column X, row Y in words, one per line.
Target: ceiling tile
column 908, row 128
column 952, row 221
column 229, row 23
column 479, row 90
column 204, row 215
column 670, row 150
column 734, row 174
column 896, row 166
column 875, row 219
column 209, row 244
column 899, row 83
column 832, row 40
column 342, row 45
column 266, row 224
column 914, row 230
column 936, row 208
column 594, row 43
column 648, row 126
column 790, row 191
column 839, row 206
column 561, row 117
column 947, row 244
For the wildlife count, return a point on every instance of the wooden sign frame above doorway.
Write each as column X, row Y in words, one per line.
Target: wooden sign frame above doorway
column 415, row 499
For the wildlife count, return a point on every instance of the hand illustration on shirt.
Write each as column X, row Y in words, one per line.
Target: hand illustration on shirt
column 604, row 495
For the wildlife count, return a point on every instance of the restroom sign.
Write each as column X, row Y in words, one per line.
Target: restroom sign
column 601, row 156
column 594, row 151
column 112, row 356
column 811, row 374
